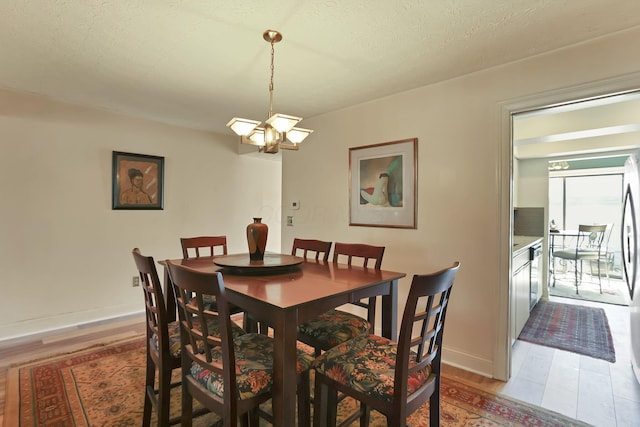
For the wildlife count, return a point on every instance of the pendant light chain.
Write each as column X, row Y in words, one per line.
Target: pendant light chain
column 273, row 52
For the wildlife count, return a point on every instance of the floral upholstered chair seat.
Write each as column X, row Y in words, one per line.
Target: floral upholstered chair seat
column 254, row 366
column 334, row 327
column 174, row 335
column 367, row 364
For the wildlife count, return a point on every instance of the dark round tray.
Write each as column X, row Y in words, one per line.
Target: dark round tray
column 271, row 264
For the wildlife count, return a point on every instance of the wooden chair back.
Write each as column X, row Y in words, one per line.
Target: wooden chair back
column 159, row 356
column 367, row 253
column 195, row 314
column 364, row 253
column 155, row 308
column 416, row 355
column 203, row 246
column 310, row 247
column 424, row 315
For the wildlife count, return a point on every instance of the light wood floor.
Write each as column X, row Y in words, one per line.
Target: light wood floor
column 591, row 390
column 594, row 391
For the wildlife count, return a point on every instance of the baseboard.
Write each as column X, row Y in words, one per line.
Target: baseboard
column 468, row 362
column 35, row 327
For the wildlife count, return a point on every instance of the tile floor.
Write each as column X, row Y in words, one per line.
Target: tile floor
column 591, row 390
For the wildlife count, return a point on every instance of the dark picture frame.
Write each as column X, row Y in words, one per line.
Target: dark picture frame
column 383, row 189
column 138, row 181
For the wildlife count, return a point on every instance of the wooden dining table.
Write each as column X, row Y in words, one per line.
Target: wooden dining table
column 286, row 297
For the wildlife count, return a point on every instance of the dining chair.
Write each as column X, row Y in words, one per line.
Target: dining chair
column 337, row 326
column 393, row 378
column 163, row 344
column 208, row 245
column 229, row 376
column 309, row 247
column 588, row 247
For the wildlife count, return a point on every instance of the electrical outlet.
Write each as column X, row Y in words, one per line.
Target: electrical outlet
column 136, row 281
column 290, row 221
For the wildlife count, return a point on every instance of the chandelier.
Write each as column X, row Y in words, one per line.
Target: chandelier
column 556, row 166
column 278, row 130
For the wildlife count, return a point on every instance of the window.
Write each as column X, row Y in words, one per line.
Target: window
column 588, row 199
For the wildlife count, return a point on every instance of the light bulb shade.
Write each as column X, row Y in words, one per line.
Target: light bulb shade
column 282, row 122
column 242, row 127
column 297, row 135
column 257, row 137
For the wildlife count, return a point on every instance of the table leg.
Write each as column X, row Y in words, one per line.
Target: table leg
column 390, row 312
column 284, row 369
column 169, row 296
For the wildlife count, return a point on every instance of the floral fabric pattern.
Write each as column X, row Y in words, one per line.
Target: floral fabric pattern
column 367, row 364
column 334, row 327
column 254, row 366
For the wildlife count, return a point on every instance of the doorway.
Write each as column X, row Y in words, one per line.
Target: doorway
column 526, row 183
column 509, row 168
column 552, row 130
column 563, row 153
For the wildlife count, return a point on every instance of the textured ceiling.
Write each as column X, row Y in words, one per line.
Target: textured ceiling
column 198, row 63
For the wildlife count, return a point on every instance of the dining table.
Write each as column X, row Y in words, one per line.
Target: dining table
column 285, row 291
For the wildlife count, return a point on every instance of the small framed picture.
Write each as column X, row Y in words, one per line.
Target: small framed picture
column 138, row 181
column 383, row 184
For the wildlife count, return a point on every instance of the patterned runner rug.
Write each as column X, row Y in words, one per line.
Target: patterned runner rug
column 575, row 328
column 104, row 386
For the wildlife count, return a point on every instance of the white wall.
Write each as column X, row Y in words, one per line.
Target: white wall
column 66, row 255
column 532, row 182
column 464, row 178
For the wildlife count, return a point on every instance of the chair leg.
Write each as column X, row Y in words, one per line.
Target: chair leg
column 434, row 407
column 599, row 276
column 187, row 405
column 164, row 397
column 249, row 324
column 304, row 400
column 250, row 418
column 365, row 414
column 575, row 273
column 325, row 408
column 148, row 391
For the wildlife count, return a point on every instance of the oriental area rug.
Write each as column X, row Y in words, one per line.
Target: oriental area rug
column 104, row 387
column 578, row 329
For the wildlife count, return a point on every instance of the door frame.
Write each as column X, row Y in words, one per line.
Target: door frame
column 617, row 85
